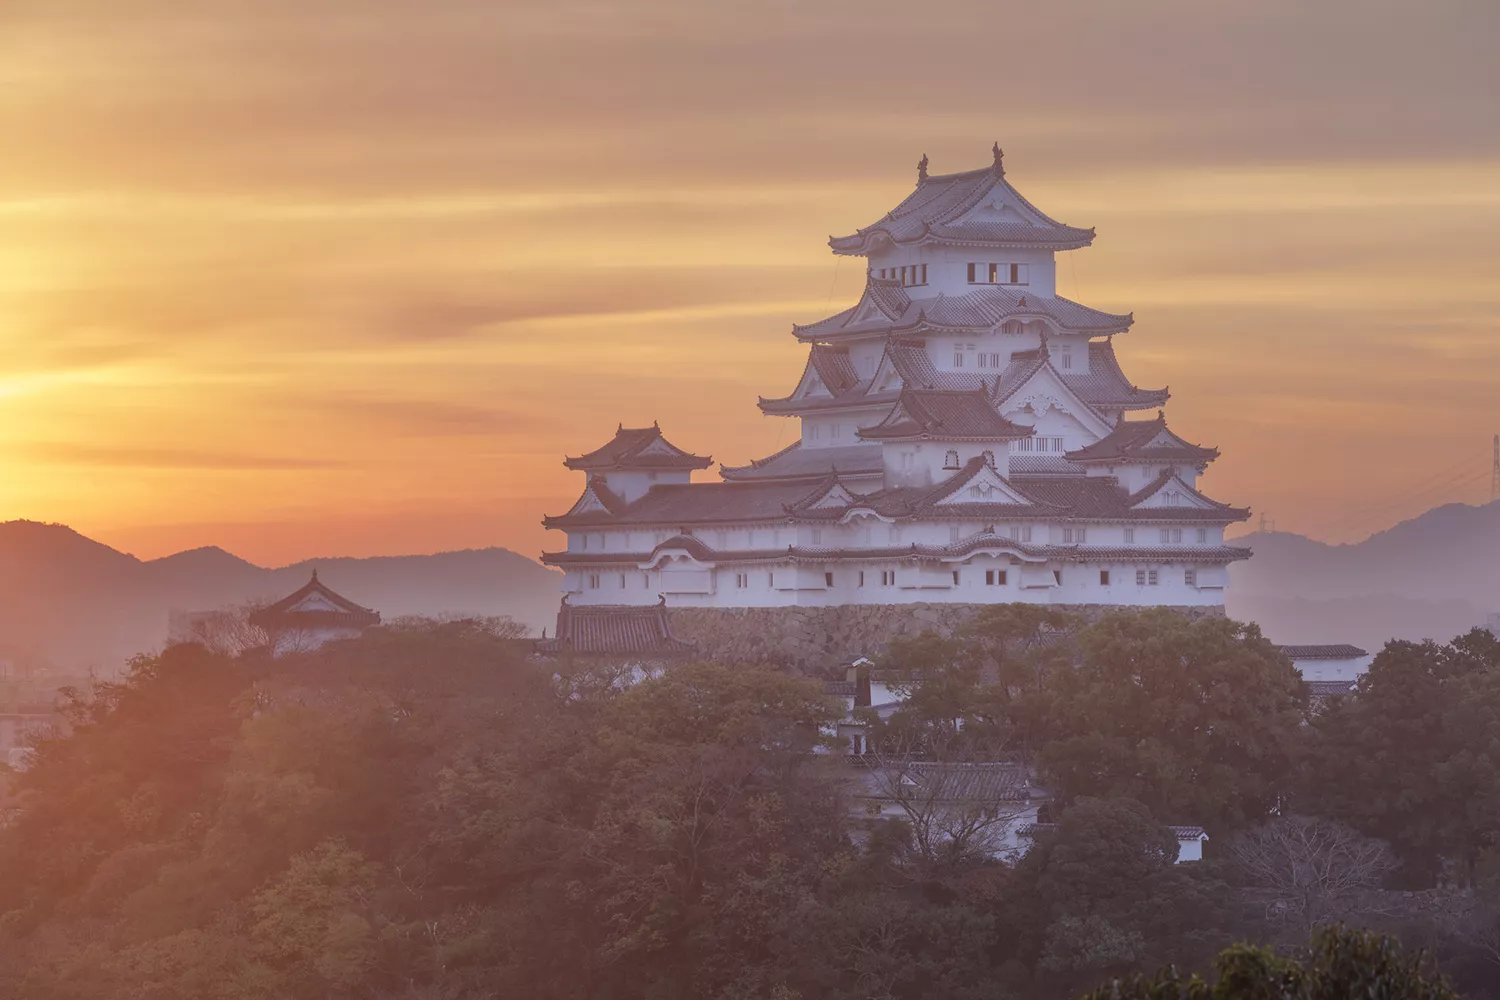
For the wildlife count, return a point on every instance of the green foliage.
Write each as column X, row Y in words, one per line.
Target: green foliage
column 1197, row 719
column 427, row 812
column 1340, row 965
column 1102, row 891
column 1414, row 758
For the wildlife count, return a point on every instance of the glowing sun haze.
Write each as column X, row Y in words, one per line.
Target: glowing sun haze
column 352, row 276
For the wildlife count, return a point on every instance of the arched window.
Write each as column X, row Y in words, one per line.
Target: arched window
column 951, row 462
column 989, row 458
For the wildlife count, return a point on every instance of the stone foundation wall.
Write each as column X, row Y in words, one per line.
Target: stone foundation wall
column 823, row 641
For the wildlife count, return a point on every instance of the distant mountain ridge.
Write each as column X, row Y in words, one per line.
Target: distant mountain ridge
column 79, row 604
column 1433, row 576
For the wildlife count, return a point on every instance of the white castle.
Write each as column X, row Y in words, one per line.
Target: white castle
column 964, row 439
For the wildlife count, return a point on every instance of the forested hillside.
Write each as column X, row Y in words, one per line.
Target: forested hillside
column 428, row 812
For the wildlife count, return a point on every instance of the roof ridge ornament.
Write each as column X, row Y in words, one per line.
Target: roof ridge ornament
column 922, row 169
column 999, row 159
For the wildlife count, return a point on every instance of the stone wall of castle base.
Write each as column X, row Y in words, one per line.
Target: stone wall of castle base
column 823, row 641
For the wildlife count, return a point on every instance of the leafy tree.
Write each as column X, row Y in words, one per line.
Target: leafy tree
column 1414, row 756
column 1196, row 719
column 1102, row 891
column 1341, row 964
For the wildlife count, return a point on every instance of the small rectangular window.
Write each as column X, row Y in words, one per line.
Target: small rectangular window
column 1129, row 536
column 1026, row 533
column 1000, row 578
column 971, row 273
column 1067, row 535
column 1176, row 536
column 1015, row 274
column 994, row 273
column 646, row 581
column 1057, row 576
column 861, row 578
column 1140, row 578
column 989, row 578
column 953, row 532
column 622, row 581
column 828, row 579
column 1190, row 577
column 955, row 578
column 1082, row 535
column 1104, row 578
column 1166, row 535
column 958, row 359
column 1151, row 577
column 817, row 536
column 1202, row 536
column 593, row 581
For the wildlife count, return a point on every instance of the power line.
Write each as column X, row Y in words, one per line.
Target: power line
column 1495, row 472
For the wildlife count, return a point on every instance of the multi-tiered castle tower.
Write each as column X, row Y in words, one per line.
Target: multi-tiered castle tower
column 964, row 440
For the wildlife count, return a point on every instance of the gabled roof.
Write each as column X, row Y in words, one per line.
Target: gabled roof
column 1338, row 651
column 1105, row 386
column 637, row 448
column 1169, row 482
column 828, row 380
column 797, row 500
column 917, row 501
column 678, row 504
column 314, row 605
column 596, row 496
column 614, row 629
column 980, row 782
column 797, row 462
column 1328, row 689
column 944, row 415
column 976, row 207
column 980, row 308
column 1143, row 441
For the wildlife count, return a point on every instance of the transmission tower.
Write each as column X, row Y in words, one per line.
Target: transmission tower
column 1495, row 472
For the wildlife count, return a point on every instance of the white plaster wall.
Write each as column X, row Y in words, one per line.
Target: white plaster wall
column 1350, row 669
column 860, row 582
column 926, row 463
column 948, row 267
column 633, row 485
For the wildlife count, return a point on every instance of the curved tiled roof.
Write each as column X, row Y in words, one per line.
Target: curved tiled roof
column 1105, row 386
column 1338, row 651
column 614, row 629
column 944, row 415
column 797, row 462
column 1089, row 498
column 344, row 614
column 1143, row 441
column 638, row 448
column 981, row 308
column 936, row 210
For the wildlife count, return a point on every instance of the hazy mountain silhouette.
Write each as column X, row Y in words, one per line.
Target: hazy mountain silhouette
column 1433, row 576
column 76, row 604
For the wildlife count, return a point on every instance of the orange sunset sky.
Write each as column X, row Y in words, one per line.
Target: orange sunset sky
column 351, row 276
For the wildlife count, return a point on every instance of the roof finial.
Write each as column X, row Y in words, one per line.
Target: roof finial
column 1161, row 414
column 1042, row 345
column 922, row 169
column 315, row 574
column 999, row 159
